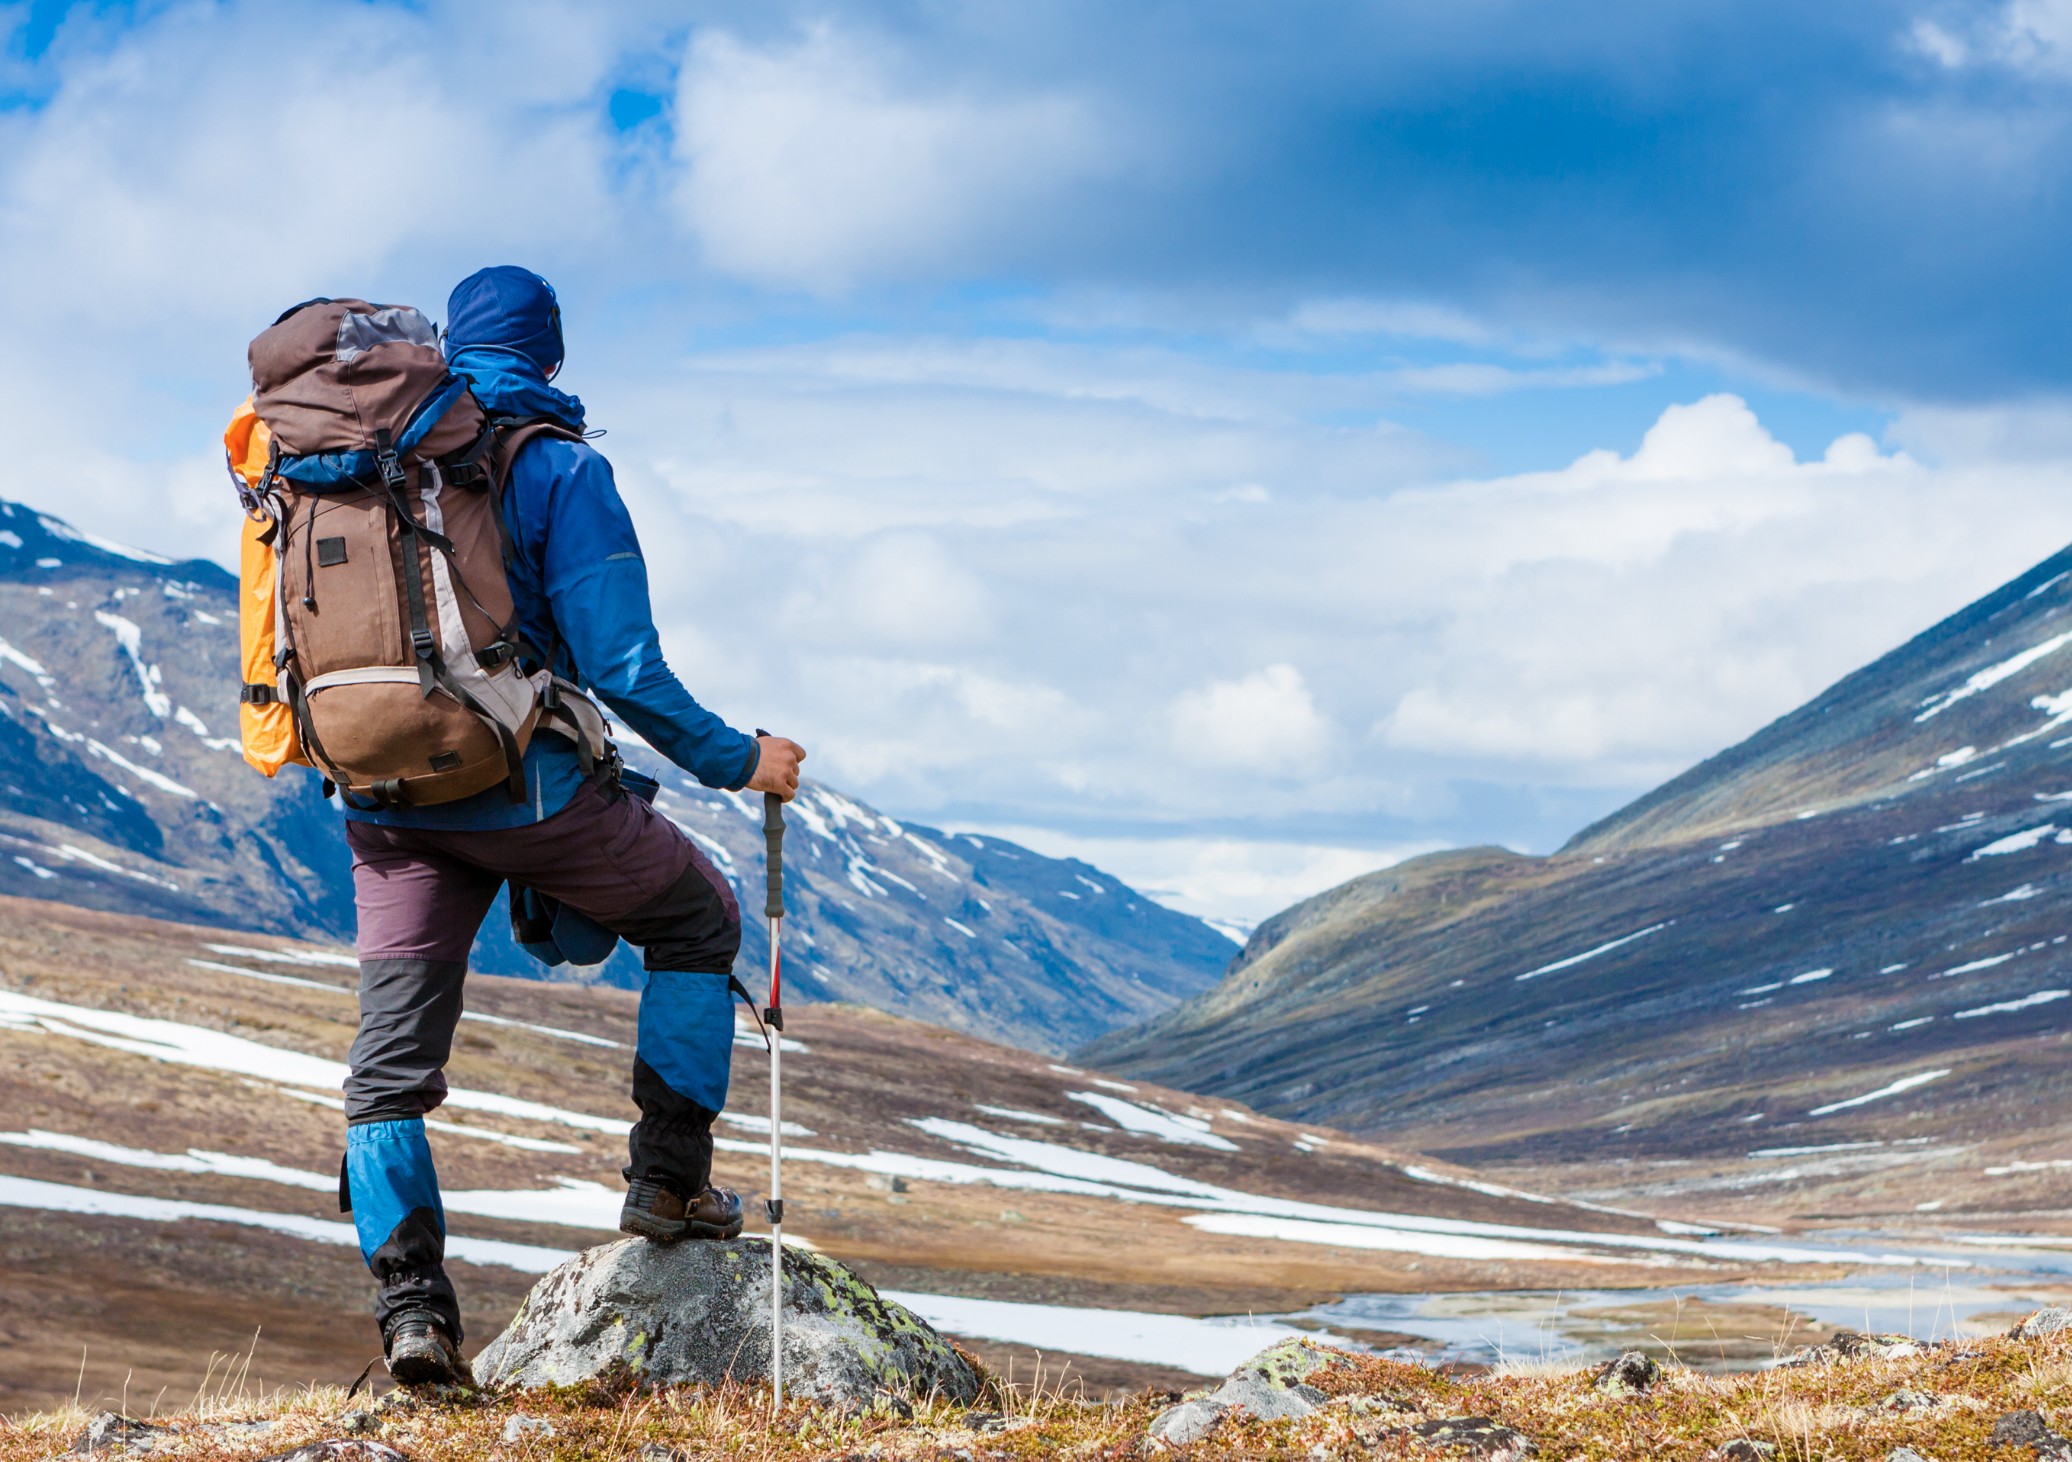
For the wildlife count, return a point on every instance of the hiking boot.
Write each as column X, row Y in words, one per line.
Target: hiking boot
column 655, row 1210
column 421, row 1353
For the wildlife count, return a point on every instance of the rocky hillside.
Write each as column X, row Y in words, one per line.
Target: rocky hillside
column 124, row 790
column 1831, row 958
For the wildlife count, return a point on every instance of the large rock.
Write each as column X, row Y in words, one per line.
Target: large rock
column 676, row 1314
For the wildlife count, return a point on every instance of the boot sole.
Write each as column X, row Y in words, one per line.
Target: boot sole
column 643, row 1225
column 422, row 1370
column 698, row 1230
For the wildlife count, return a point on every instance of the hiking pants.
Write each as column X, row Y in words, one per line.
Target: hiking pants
column 421, row 896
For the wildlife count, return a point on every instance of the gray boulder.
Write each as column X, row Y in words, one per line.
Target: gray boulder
column 1258, row 1392
column 2029, row 1429
column 1632, row 1374
column 1269, row 1386
column 1187, row 1423
column 2044, row 1322
column 677, row 1314
column 1479, row 1436
column 111, row 1431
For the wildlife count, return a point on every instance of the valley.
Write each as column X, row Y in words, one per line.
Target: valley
column 1821, row 978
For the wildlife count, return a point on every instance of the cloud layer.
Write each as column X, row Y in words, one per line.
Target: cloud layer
column 1037, row 409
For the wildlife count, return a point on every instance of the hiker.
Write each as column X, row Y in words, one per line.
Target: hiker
column 583, row 855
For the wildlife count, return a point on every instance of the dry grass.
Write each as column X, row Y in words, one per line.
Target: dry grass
column 1808, row 1414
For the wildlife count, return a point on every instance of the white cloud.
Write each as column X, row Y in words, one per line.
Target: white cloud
column 813, row 162
column 1266, row 721
column 1240, row 881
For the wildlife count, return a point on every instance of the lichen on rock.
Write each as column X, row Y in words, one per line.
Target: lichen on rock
column 699, row 1313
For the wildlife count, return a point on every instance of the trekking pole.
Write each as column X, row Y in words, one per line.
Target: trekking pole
column 773, row 906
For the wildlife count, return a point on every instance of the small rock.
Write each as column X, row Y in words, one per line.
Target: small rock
column 341, row 1449
column 1744, row 1449
column 1905, row 1400
column 2029, row 1429
column 518, row 1426
column 1187, row 1423
column 1904, row 1454
column 1852, row 1345
column 111, row 1431
column 357, row 1423
column 1632, row 1374
column 659, row 1452
column 1478, row 1435
column 1858, row 1346
column 1810, row 1355
column 2044, row 1322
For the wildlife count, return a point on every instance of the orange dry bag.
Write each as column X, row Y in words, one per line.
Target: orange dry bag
column 265, row 722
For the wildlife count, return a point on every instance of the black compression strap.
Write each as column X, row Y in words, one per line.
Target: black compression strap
column 257, row 695
column 735, row 987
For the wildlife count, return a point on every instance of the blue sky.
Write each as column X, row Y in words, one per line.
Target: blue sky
column 1239, row 443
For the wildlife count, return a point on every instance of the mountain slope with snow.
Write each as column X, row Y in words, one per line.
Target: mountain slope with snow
column 1846, row 934
column 122, row 788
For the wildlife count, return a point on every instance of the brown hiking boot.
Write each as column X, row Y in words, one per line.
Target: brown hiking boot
column 654, row 1210
column 421, row 1353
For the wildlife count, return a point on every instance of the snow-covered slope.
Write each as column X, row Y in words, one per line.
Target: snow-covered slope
column 121, row 788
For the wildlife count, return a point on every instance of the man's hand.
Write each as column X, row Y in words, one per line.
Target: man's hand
column 777, row 770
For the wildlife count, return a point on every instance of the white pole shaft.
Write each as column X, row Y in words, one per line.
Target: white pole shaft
column 777, row 1196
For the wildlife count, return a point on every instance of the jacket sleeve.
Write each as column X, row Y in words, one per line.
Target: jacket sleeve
column 596, row 586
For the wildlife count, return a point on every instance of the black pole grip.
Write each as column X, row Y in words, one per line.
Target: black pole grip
column 773, row 839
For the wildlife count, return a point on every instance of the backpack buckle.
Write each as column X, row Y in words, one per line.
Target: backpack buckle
column 421, row 641
column 385, row 459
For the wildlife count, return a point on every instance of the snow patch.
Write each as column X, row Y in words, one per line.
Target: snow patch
column 1152, row 1122
column 2006, row 1007
column 1905, row 1083
column 2019, row 842
column 1576, row 959
column 59, row 1198
column 1992, row 675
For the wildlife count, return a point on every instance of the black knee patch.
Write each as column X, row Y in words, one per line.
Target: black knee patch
column 687, row 926
column 408, row 1011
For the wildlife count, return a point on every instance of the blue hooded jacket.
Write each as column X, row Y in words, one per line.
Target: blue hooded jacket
column 580, row 584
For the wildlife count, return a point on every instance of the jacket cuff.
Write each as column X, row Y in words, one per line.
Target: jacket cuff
column 755, row 759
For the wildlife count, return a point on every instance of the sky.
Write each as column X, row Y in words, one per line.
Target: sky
column 1240, row 445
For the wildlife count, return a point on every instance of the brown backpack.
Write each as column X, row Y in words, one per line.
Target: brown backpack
column 397, row 644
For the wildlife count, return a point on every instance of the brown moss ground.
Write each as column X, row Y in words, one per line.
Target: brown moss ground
column 1830, row 1412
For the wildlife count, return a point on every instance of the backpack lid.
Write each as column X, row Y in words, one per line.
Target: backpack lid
column 330, row 374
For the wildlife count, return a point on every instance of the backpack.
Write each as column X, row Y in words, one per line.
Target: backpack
column 380, row 639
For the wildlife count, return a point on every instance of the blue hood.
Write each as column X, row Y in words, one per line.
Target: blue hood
column 503, row 332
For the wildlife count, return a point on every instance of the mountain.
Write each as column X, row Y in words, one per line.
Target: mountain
column 124, row 790
column 1832, row 958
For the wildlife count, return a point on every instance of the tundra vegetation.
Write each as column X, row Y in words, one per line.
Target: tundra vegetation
column 1854, row 1396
